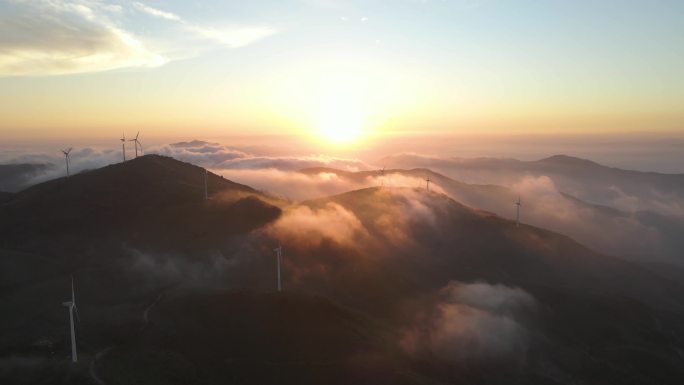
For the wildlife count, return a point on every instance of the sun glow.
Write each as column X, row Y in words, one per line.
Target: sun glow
column 340, row 115
column 341, row 101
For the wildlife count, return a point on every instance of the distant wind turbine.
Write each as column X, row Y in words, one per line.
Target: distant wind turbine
column 427, row 183
column 206, row 190
column 517, row 213
column 123, row 145
column 279, row 254
column 71, row 305
column 136, row 142
column 382, row 176
column 67, row 158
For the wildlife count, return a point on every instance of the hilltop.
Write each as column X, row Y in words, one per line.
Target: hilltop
column 148, row 200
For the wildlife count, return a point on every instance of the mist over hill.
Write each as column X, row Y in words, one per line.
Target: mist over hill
column 591, row 182
column 641, row 235
column 17, row 176
column 382, row 284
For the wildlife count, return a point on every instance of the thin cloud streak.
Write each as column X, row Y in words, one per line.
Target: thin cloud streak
column 157, row 12
column 233, row 37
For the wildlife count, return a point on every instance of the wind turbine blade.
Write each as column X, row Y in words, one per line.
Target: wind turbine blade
column 136, row 135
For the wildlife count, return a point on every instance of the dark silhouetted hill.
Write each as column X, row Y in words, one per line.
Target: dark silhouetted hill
column 150, row 200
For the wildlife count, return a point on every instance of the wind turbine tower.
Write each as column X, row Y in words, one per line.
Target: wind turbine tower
column 206, row 190
column 427, row 183
column 123, row 145
column 382, row 176
column 279, row 254
column 67, row 159
column 517, row 212
column 71, row 305
column 136, row 142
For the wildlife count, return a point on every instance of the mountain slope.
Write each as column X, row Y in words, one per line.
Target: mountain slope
column 589, row 181
column 644, row 236
column 403, row 245
column 382, row 285
column 150, row 200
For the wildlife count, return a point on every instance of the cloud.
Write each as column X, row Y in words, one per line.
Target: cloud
column 233, row 37
column 84, row 158
column 156, row 12
column 202, row 269
column 56, row 37
column 64, row 37
column 629, row 191
column 14, row 177
column 306, row 226
column 604, row 229
column 276, row 174
column 289, row 184
column 475, row 321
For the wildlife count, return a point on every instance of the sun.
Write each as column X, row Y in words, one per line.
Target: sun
column 340, row 116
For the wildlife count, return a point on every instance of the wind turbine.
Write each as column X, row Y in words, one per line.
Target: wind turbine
column 123, row 145
column 517, row 213
column 206, row 192
column 279, row 254
column 71, row 305
column 136, row 143
column 67, row 159
column 382, row 176
column 427, row 182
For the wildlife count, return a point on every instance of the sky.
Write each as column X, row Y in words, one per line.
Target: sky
column 340, row 71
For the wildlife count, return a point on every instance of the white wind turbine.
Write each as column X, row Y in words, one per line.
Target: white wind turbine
column 71, row 305
column 279, row 254
column 136, row 142
column 67, row 158
column 517, row 212
column 123, row 145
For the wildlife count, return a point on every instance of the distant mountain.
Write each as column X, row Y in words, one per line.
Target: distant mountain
column 644, row 235
column 479, row 244
column 589, row 181
column 14, row 177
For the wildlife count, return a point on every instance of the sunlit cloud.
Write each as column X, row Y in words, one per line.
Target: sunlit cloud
column 63, row 37
column 472, row 321
column 76, row 36
column 233, row 37
column 156, row 12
